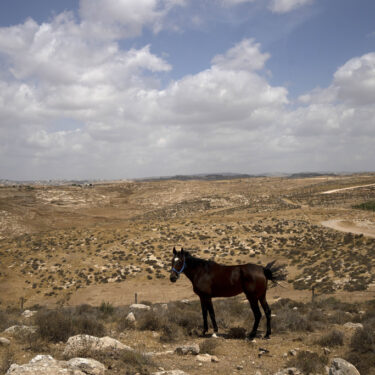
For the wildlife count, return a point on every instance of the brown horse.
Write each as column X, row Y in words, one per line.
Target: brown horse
column 211, row 279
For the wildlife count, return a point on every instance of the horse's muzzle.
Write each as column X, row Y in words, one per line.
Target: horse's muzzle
column 173, row 278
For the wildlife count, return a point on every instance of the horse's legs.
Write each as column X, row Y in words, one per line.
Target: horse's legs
column 257, row 314
column 212, row 314
column 204, row 313
column 267, row 311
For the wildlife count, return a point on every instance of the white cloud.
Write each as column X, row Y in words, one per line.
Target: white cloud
column 285, row 6
column 227, row 117
column 124, row 18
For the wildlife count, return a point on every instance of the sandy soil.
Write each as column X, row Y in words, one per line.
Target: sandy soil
column 347, row 188
column 367, row 228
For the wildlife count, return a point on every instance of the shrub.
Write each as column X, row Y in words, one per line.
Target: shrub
column 291, row 320
column 170, row 332
column 237, row 333
column 308, row 362
column 208, row 346
column 106, row 308
column 363, row 340
column 151, row 321
column 59, row 325
column 6, row 359
column 333, row 338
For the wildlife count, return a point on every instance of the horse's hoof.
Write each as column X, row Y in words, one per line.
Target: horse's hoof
column 267, row 337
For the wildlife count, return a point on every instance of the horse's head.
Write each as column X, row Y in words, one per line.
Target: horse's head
column 178, row 264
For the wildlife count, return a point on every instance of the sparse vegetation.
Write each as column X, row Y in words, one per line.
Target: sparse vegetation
column 369, row 206
column 332, row 338
column 308, row 362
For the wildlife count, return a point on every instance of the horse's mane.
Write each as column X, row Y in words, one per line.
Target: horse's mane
column 195, row 261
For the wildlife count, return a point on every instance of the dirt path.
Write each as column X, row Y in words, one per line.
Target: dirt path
column 347, row 188
column 366, row 228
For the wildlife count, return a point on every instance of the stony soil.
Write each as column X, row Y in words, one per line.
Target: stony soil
column 70, row 245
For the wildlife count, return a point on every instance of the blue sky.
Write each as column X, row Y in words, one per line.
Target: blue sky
column 159, row 87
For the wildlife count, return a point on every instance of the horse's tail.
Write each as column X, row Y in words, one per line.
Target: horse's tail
column 275, row 272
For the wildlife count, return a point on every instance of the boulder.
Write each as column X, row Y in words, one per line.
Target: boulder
column 47, row 365
column 187, row 349
column 341, row 367
column 20, row 330
column 353, row 325
column 82, row 343
column 87, row 365
column 139, row 307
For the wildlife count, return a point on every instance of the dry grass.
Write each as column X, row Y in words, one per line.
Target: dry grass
column 308, row 362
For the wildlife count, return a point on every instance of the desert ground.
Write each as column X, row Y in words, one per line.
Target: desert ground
column 69, row 245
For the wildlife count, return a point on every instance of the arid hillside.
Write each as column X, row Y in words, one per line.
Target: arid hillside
column 79, row 255
column 86, row 244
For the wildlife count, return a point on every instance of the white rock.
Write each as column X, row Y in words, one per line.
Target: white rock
column 20, row 330
column 353, row 325
column 139, row 306
column 170, row 372
column 28, row 313
column 81, row 343
column 203, row 358
column 87, row 365
column 43, row 365
column 341, row 367
column 130, row 317
column 187, row 349
column 4, row 341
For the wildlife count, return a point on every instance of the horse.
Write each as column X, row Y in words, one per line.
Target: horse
column 211, row 279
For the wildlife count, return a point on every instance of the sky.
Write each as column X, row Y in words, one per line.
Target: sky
column 122, row 89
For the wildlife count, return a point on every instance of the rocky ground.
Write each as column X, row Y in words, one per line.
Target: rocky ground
column 64, row 246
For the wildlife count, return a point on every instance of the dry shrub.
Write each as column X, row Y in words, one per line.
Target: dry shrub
column 363, row 340
column 364, row 362
column 136, row 360
column 332, row 338
column 208, row 346
column 291, row 320
column 237, row 333
column 171, row 332
column 59, row 325
column 6, row 359
column 4, row 320
column 308, row 362
column 151, row 321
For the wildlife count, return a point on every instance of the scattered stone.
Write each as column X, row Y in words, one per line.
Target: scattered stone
column 239, row 367
column 292, row 352
column 130, row 317
column 47, row 365
column 353, row 325
column 289, row 371
column 139, row 307
column 28, row 313
column 187, row 349
column 81, row 343
column 4, row 341
column 170, row 372
column 341, row 367
column 214, row 359
column 19, row 330
column 87, row 365
column 185, row 301
column 326, row 351
column 203, row 357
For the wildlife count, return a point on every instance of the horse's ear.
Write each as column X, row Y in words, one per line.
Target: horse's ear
column 174, row 251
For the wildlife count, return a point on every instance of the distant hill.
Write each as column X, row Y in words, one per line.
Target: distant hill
column 203, row 177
